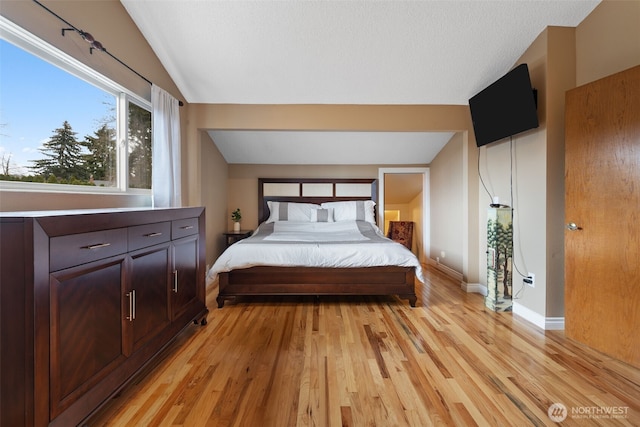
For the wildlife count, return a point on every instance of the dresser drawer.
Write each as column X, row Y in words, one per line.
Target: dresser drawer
column 184, row 227
column 76, row 249
column 142, row 236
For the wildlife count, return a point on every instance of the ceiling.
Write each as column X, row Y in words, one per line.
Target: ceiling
column 320, row 148
column 340, row 52
column 400, row 188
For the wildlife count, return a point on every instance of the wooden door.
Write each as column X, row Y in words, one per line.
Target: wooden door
column 148, row 295
column 602, row 212
column 185, row 270
column 85, row 333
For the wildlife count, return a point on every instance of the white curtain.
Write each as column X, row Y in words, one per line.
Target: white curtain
column 166, row 149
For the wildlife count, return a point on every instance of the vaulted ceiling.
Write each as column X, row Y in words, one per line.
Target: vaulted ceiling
column 341, row 52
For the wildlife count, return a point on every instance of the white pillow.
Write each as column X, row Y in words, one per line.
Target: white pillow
column 356, row 210
column 289, row 211
column 322, row 215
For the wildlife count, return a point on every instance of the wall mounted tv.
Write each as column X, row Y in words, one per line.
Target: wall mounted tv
column 505, row 108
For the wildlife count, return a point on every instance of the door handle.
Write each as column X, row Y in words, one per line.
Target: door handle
column 572, row 226
column 132, row 305
column 175, row 281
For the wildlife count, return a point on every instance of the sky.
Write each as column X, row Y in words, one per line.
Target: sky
column 35, row 100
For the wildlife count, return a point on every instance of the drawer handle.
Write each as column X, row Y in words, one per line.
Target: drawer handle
column 97, row 246
column 153, row 234
column 187, row 227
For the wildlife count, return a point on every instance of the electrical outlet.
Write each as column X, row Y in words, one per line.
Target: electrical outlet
column 530, row 280
column 438, row 259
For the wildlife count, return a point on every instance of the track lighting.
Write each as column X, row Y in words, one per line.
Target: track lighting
column 93, row 43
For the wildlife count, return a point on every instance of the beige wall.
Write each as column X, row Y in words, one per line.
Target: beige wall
column 20, row 200
column 214, row 174
column 561, row 66
column 608, row 40
column 404, row 209
column 447, row 198
column 417, row 213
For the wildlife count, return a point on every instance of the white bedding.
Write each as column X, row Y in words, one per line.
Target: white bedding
column 313, row 244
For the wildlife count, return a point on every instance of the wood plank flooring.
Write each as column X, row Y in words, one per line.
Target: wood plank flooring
column 375, row 361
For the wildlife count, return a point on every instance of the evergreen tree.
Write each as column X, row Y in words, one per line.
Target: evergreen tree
column 139, row 147
column 63, row 157
column 101, row 161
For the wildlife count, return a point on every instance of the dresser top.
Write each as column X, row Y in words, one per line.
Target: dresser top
column 69, row 212
column 61, row 222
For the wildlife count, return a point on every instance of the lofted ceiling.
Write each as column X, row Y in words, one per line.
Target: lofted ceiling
column 340, row 52
column 400, row 188
column 320, row 148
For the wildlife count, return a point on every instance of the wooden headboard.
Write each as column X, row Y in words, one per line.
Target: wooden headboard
column 313, row 190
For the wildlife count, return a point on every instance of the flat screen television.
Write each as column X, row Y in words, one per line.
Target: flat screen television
column 505, row 108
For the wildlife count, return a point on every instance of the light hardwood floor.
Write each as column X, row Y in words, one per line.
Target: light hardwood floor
column 288, row 361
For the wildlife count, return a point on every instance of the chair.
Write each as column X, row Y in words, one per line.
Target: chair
column 401, row 232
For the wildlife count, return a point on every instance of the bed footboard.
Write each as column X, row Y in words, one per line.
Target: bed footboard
column 317, row 281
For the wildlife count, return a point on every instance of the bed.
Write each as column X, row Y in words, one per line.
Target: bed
column 316, row 237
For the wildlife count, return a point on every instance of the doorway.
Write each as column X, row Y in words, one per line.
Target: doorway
column 404, row 194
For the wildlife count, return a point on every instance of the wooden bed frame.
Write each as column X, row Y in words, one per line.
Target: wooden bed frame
column 391, row 280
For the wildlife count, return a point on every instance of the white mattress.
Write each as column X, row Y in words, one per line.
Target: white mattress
column 314, row 244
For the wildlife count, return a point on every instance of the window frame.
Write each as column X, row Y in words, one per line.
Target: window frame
column 34, row 45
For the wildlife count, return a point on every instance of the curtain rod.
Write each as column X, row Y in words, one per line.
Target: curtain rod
column 94, row 44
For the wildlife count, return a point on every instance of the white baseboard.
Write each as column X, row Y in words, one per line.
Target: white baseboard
column 546, row 323
column 455, row 275
column 554, row 324
column 477, row 288
column 446, row 270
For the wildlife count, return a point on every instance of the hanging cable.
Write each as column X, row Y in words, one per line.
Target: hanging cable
column 481, row 180
column 518, row 294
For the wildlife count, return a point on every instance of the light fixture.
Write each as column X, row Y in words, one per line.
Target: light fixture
column 93, row 43
column 86, row 36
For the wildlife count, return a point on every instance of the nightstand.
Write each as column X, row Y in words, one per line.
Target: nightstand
column 234, row 236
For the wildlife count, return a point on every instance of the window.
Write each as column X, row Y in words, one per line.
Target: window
column 139, row 139
column 62, row 123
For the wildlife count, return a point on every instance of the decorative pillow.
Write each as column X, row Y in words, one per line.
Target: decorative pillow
column 289, row 211
column 356, row 210
column 322, row 215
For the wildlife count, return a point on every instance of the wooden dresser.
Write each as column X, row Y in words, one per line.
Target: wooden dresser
column 87, row 299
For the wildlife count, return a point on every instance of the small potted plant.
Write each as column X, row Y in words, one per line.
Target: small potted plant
column 236, row 216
